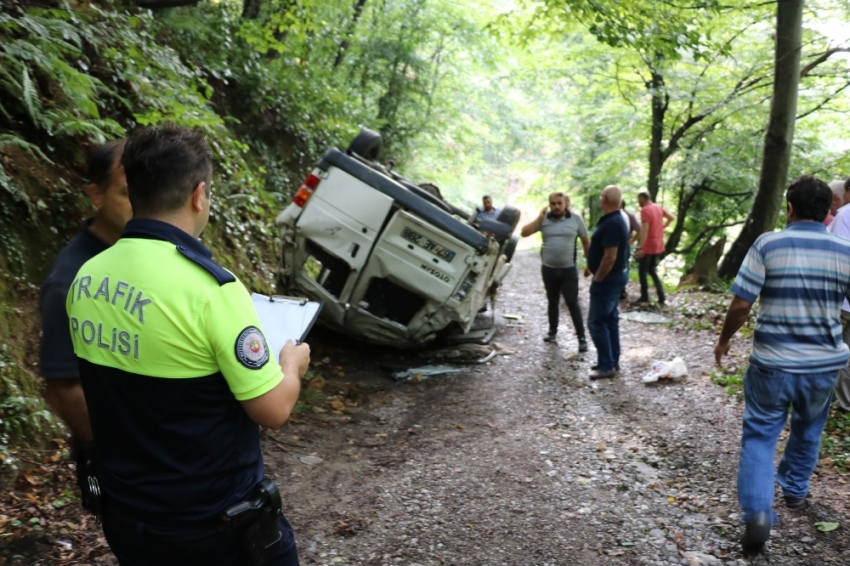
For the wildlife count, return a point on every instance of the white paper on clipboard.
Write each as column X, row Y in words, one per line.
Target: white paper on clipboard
column 285, row 318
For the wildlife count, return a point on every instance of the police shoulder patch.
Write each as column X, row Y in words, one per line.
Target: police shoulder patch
column 251, row 348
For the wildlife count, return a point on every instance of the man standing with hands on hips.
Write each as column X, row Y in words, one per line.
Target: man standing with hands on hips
column 177, row 376
column 608, row 262
column 560, row 229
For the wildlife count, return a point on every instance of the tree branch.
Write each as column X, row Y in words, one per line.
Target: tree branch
column 823, row 102
column 705, row 232
column 728, row 195
column 822, row 58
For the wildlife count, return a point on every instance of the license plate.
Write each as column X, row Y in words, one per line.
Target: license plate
column 428, row 244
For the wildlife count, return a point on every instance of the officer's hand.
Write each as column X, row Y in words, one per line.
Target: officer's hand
column 297, row 356
column 543, row 212
column 587, row 272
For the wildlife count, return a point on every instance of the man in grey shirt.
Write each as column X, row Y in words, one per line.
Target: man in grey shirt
column 560, row 228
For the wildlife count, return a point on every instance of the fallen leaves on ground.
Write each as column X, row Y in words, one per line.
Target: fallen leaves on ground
column 40, row 514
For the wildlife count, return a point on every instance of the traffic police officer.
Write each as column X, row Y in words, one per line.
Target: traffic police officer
column 176, row 371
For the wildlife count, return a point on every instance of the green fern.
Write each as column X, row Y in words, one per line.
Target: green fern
column 13, row 140
column 30, row 98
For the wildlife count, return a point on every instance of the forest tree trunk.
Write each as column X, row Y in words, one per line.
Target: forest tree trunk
column 251, row 9
column 778, row 140
column 656, row 152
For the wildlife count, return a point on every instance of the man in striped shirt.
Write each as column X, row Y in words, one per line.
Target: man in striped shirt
column 801, row 276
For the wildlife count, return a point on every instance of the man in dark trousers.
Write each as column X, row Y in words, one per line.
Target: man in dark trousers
column 654, row 220
column 107, row 190
column 801, row 276
column 177, row 375
column 608, row 262
column 560, row 229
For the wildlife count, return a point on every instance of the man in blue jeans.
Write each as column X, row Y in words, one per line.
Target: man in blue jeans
column 801, row 276
column 608, row 262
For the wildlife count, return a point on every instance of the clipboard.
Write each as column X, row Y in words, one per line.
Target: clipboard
column 285, row 318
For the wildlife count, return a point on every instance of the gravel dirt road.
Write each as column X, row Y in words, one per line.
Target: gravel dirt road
column 523, row 461
column 520, row 461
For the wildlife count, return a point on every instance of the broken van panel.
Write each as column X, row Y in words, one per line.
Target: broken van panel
column 393, row 263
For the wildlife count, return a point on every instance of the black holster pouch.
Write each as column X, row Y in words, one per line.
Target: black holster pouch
column 254, row 522
column 84, row 457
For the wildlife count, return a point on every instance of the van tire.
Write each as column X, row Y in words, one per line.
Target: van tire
column 510, row 216
column 367, row 144
column 510, row 247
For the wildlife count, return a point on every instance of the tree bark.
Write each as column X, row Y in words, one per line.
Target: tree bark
column 251, row 9
column 776, row 158
column 657, row 155
column 686, row 199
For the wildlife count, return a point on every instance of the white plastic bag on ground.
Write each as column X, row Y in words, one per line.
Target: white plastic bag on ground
column 674, row 370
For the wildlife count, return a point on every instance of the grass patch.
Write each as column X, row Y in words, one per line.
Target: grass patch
column 733, row 382
column 835, row 444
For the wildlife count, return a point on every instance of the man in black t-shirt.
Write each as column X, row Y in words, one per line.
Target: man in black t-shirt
column 107, row 189
column 608, row 262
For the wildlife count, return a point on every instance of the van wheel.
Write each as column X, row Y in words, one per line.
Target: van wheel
column 510, row 216
column 510, row 248
column 366, row 144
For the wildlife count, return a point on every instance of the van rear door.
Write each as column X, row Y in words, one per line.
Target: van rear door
column 340, row 224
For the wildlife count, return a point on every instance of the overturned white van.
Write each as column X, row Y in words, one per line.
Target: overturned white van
column 392, row 261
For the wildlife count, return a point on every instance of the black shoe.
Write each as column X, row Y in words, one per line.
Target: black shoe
column 595, row 367
column 641, row 301
column 756, row 533
column 609, row 374
column 582, row 345
column 551, row 337
column 796, row 502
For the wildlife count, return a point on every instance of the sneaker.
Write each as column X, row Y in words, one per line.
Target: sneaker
column 582, row 345
column 756, row 533
column 797, row 502
column 551, row 337
column 595, row 367
column 608, row 374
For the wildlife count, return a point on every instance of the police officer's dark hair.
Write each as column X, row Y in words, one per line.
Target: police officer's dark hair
column 811, row 197
column 163, row 164
column 847, row 185
column 486, row 196
column 100, row 161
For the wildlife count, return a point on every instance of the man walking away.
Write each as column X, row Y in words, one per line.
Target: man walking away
column 487, row 212
column 654, row 220
column 608, row 262
column 841, row 227
column 796, row 355
column 560, row 228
